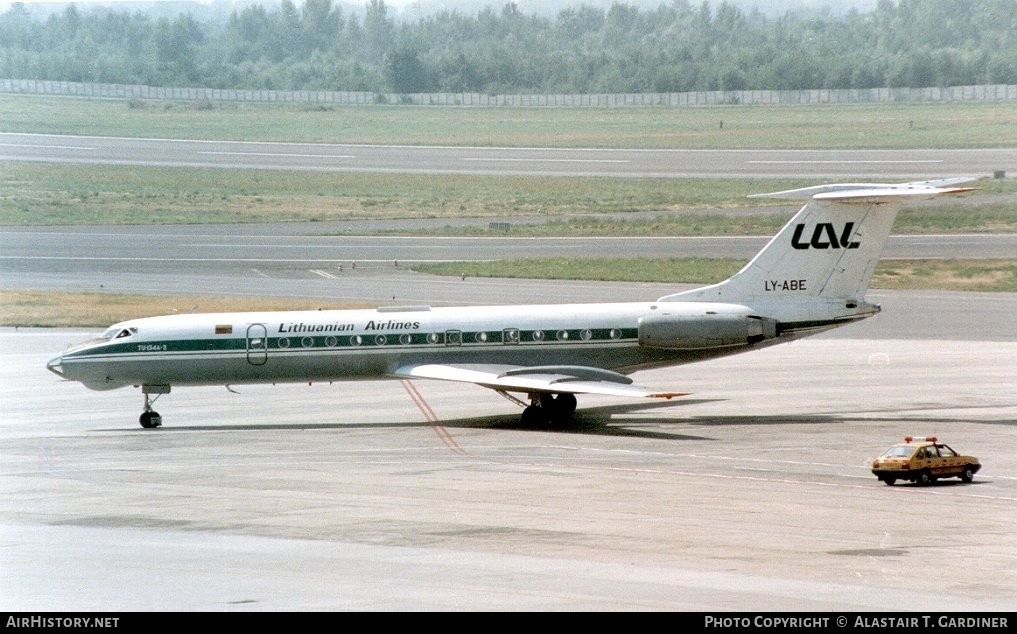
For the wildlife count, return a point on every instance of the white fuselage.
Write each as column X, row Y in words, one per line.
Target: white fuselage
column 332, row 345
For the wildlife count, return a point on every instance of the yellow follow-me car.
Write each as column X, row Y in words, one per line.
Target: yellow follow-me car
column 923, row 460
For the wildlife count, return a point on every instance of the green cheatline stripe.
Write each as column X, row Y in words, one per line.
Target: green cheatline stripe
column 456, row 337
column 504, row 337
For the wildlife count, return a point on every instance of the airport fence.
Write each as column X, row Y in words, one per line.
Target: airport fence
column 993, row 92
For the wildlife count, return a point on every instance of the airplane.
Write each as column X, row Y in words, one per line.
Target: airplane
column 809, row 278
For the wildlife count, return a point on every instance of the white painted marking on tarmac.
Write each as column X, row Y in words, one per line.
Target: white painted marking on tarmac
column 281, row 154
column 49, row 147
column 537, row 159
column 847, row 162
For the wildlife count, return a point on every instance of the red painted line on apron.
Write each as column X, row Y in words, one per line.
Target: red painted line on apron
column 431, row 417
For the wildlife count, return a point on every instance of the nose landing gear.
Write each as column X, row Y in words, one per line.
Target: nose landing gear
column 150, row 419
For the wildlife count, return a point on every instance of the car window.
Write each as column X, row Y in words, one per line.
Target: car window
column 946, row 452
column 898, row 452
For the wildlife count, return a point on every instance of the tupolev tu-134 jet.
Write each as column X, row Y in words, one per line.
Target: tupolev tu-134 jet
column 811, row 277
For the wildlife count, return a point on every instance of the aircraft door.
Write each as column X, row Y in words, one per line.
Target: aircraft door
column 257, row 344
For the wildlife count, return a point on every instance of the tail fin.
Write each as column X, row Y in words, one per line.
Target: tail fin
column 829, row 249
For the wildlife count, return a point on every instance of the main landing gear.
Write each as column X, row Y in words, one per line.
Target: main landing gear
column 547, row 408
column 150, row 419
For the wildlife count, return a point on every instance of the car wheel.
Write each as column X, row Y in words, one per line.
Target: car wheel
column 967, row 475
column 889, row 481
column 924, row 478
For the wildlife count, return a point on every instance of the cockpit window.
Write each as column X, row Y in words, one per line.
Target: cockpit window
column 119, row 333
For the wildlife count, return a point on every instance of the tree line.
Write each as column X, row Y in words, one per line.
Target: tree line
column 677, row 47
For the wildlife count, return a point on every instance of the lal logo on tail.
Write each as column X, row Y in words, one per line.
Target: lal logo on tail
column 824, row 236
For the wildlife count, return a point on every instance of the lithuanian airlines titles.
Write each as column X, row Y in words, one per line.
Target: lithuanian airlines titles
column 811, row 277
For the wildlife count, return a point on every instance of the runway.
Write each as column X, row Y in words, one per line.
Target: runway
column 299, row 263
column 819, row 164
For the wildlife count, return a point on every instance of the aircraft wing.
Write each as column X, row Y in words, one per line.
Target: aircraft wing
column 557, row 379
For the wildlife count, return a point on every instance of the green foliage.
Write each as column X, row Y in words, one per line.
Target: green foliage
column 679, row 46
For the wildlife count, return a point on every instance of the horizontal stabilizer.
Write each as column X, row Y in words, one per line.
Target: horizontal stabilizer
column 867, row 192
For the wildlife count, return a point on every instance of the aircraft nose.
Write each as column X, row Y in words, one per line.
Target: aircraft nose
column 56, row 365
